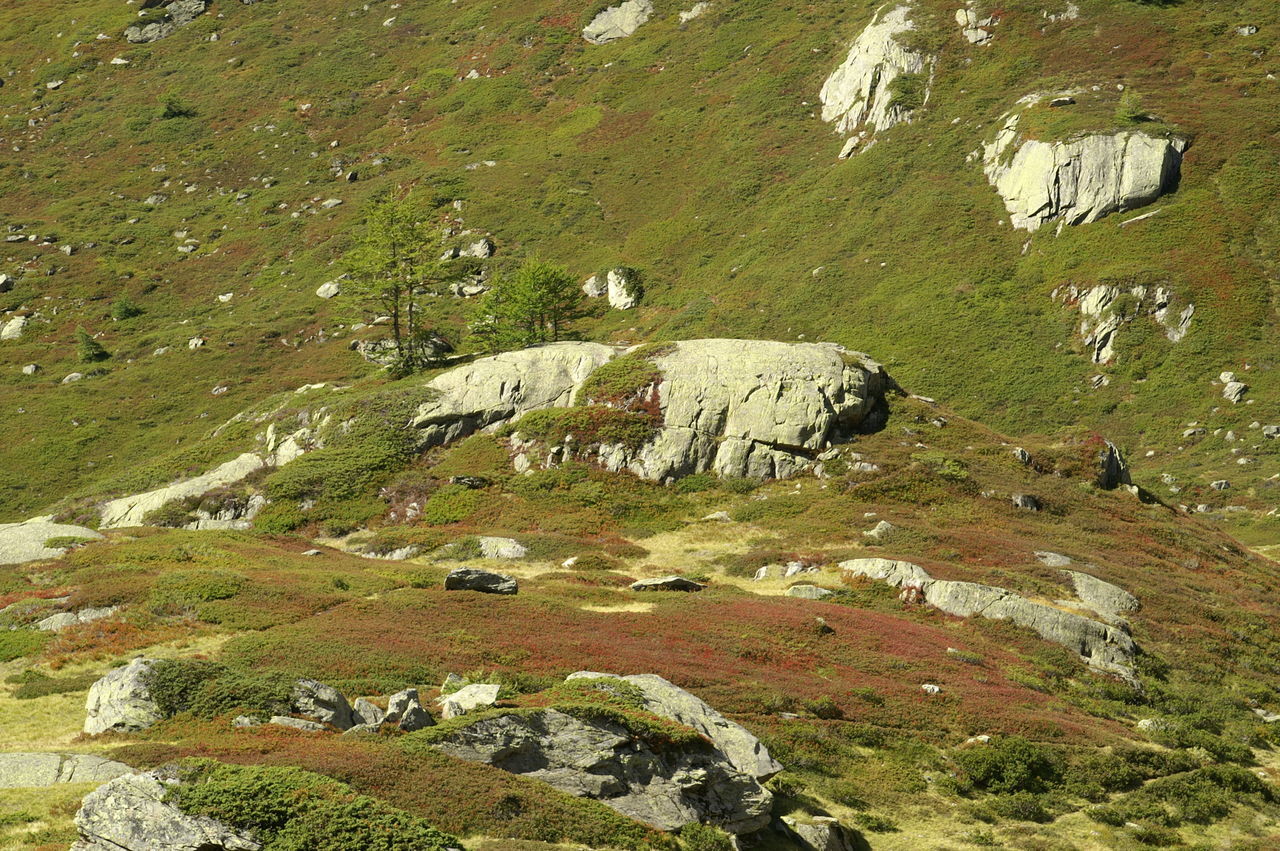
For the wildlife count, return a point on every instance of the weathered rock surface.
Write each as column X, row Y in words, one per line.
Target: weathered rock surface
column 808, row 592
column 859, row 95
column 321, row 703
column 623, row 291
column 12, row 330
column 502, row 548
column 974, row 26
column 493, row 390
column 1113, row 470
column 31, row 770
column 661, row 697
column 754, row 408
column 1101, row 320
column 121, row 701
column 129, row 813
column 606, row 762
column 178, row 14
column 667, row 583
column 1110, row 601
column 65, row 620
column 618, row 21
column 825, row 834
column 468, row 699
column 1079, row 180
column 366, row 713
column 306, row 725
column 130, row 510
column 484, row 581
column 1102, row 646
column 23, row 542
column 405, row 710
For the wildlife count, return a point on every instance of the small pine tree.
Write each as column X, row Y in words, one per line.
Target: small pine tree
column 538, row 304
column 1129, row 110
column 89, row 350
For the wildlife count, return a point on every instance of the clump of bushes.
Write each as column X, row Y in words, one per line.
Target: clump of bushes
column 16, row 643
column 183, row 591
column 209, row 689
column 1011, row 764
column 704, row 837
column 620, row 383
column 289, row 809
column 592, row 424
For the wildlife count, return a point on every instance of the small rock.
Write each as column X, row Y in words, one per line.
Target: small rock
column 484, row 581
column 723, row 516
column 808, row 592
column 667, row 583
column 1220, row 485
column 502, row 548
column 31, row 369
column 1026, row 501
column 1022, row 455
column 366, row 713
column 312, row 552
column 244, row 721
column 121, row 701
column 331, row 203
column 72, row 377
column 298, row 724
column 1051, row 559
column 880, row 531
column 930, row 688
column 319, row 702
column 405, row 710
column 1234, row 391
column 468, row 699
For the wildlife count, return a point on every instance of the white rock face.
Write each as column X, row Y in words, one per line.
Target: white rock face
column 696, row 11
column 329, row 289
column 618, row 21
column 593, row 287
column 753, row 408
column 857, row 97
column 492, row 390
column 468, row 699
column 1100, row 322
column 12, row 329
column 1080, row 180
column 121, row 701
column 65, row 620
column 502, row 548
column 623, row 295
column 23, row 542
column 975, row 27
column 130, row 510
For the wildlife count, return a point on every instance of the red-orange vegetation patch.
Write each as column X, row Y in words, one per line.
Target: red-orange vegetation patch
column 35, row 593
column 109, row 639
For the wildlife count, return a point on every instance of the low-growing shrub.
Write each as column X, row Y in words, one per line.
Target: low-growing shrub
column 63, row 542
column 289, row 809
column 1021, row 806
column 1011, row 764
column 182, row 591
column 589, row 425
column 208, row 689
column 704, row 837
column 450, row 504
column 33, row 684
column 16, row 643
column 873, row 823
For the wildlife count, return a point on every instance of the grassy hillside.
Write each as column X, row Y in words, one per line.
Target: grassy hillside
column 689, row 151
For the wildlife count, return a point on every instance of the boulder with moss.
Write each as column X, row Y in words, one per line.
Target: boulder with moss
column 121, row 701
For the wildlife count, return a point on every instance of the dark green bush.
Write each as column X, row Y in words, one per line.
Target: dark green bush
column 1011, row 764
column 89, row 350
column 704, row 837
column 1021, row 806
column 289, row 809
column 450, row 504
column 123, row 309
column 592, row 424
column 16, row 643
column 182, row 591
column 619, row 381
column 208, row 689
column 33, row 684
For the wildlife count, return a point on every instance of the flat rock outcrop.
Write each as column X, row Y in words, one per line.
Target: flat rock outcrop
column 666, row 788
column 618, row 21
column 1079, row 180
column 1110, row 601
column 493, row 390
column 1100, row 645
column 33, row 770
column 131, row 510
column 129, row 813
column 859, row 96
column 23, row 542
column 121, row 701
column 662, row 697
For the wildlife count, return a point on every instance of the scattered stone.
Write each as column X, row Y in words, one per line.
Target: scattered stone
column 1051, row 559
column 321, row 703
column 329, row 289
column 667, row 583
column 245, row 722
column 723, row 516
column 177, row 13
column 593, row 287
column 1022, row 455
column 1271, row 431
column 331, row 203
column 35, row 770
column 880, row 531
column 300, row 724
column 1220, row 485
column 31, row 369
column 623, row 289
column 484, row 581
column 1064, row 100
column 196, row 342
column 24, row 542
column 618, row 21
column 12, row 330
column 1246, row 30
column 1233, row 391
column 808, row 592
column 1113, row 471
column 130, row 813
column 502, row 548
column 1026, row 501
column 472, row 483
column 312, row 552
column 930, row 688
column 121, row 701
column 73, row 377
column 63, row 620
column 697, row 10
column 366, row 713
column 405, row 710
column 468, row 699
column 974, row 26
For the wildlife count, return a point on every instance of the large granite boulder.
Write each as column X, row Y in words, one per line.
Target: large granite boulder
column 1103, row 646
column 32, row 770
column 661, row 697
column 121, row 701
column 618, row 21
column 129, row 813
column 23, row 542
column 754, row 408
column 859, row 97
column 1079, row 180
column 666, row 788
column 493, row 390
column 1110, row 601
column 321, row 703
